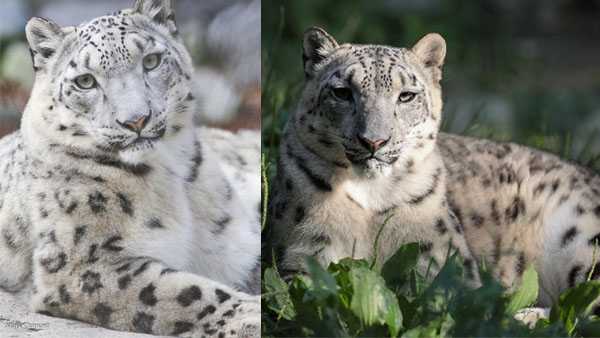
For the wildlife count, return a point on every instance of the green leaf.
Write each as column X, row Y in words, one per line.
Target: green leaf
column 437, row 327
column 372, row 302
column 396, row 268
column 449, row 277
column 527, row 293
column 349, row 263
column 408, row 309
column 277, row 295
column 574, row 303
column 323, row 283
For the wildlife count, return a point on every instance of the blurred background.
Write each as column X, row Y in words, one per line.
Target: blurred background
column 520, row 70
column 223, row 37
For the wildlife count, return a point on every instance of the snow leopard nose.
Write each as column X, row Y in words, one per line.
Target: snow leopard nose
column 372, row 145
column 136, row 124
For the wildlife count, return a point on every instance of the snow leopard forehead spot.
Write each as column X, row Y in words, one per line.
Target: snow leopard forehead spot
column 113, row 44
column 373, row 68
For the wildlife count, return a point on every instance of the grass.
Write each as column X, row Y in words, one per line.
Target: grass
column 360, row 298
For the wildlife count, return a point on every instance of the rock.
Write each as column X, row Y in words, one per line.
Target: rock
column 218, row 100
column 529, row 316
column 17, row 321
column 233, row 36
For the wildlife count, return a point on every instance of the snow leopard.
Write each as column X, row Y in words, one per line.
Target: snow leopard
column 114, row 209
column 363, row 156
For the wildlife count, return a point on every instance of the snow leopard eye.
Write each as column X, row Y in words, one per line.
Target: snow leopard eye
column 405, row 97
column 151, row 61
column 85, row 81
column 342, row 93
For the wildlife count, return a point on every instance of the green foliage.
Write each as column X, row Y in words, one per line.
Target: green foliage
column 372, row 302
column 527, row 293
column 278, row 291
column 351, row 299
column 396, row 269
column 575, row 304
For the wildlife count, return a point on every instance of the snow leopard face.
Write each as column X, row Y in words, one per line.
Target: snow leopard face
column 117, row 85
column 373, row 106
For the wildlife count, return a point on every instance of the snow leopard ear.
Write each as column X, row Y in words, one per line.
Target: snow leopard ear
column 159, row 11
column 317, row 44
column 44, row 37
column 431, row 50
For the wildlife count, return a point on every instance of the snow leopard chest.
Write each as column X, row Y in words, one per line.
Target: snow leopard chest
column 166, row 229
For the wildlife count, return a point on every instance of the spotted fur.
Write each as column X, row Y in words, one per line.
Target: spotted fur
column 500, row 203
column 147, row 229
column 333, row 193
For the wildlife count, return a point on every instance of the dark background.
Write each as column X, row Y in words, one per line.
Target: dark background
column 526, row 71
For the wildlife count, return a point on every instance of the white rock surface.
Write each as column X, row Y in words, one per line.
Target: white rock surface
column 529, row 316
column 234, row 36
column 17, row 321
column 218, row 99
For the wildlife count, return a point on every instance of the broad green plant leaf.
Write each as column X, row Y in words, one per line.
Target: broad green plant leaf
column 277, row 291
column 437, row 327
column 527, row 293
column 323, row 283
column 575, row 303
column 395, row 269
column 372, row 302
